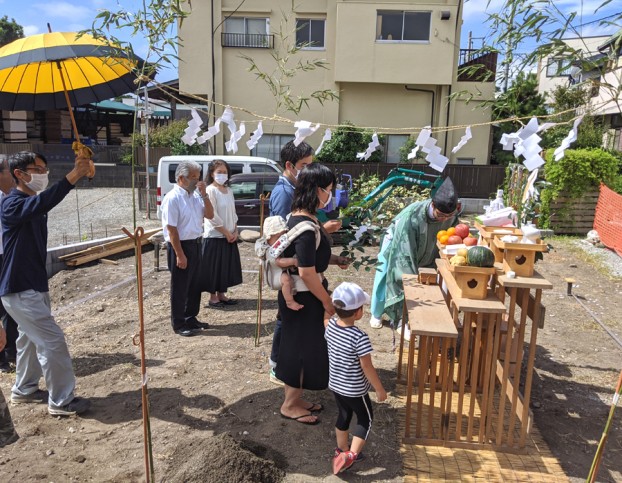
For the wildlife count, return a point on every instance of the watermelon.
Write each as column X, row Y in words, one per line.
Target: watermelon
column 481, row 256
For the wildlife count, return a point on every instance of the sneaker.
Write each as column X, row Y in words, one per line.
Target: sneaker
column 343, row 461
column 77, row 405
column 375, row 323
column 38, row 396
column 274, row 379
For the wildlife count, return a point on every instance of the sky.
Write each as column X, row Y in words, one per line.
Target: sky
column 74, row 15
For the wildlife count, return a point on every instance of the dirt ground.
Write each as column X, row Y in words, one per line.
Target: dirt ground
column 215, row 416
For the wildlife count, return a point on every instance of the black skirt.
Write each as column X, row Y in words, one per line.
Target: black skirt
column 220, row 265
column 303, row 348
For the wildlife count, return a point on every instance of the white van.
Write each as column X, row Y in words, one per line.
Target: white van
column 238, row 164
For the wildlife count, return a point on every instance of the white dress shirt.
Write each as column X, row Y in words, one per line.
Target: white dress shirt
column 184, row 211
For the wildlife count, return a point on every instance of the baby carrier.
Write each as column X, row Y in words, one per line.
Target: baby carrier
column 268, row 254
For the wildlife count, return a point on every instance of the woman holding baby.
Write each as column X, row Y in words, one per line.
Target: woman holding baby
column 303, row 357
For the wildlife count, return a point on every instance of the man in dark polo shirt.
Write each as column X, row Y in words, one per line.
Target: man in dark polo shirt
column 41, row 346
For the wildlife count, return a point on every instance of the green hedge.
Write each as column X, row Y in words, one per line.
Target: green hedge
column 579, row 171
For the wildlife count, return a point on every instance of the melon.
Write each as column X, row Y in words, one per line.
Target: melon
column 480, row 256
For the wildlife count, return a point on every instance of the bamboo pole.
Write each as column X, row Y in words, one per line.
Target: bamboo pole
column 591, row 478
column 139, row 340
column 262, row 199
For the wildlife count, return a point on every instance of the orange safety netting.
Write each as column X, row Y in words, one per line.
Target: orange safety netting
column 608, row 219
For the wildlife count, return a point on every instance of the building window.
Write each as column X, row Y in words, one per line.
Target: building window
column 310, row 33
column 465, row 161
column 558, row 68
column 400, row 26
column 269, row 146
column 393, row 144
column 247, row 32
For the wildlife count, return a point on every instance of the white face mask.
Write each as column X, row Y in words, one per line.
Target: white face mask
column 330, row 197
column 38, row 182
column 220, row 178
column 297, row 171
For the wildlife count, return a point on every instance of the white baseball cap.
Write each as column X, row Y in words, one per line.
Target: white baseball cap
column 350, row 295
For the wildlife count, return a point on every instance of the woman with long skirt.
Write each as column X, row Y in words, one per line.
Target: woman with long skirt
column 220, row 267
column 303, row 356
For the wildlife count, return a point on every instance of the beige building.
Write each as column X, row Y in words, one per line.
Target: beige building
column 601, row 74
column 555, row 71
column 393, row 65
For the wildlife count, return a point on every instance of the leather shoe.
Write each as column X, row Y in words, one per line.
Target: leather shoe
column 185, row 332
column 196, row 325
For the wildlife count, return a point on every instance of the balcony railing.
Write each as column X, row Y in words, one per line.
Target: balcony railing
column 253, row 41
column 483, row 66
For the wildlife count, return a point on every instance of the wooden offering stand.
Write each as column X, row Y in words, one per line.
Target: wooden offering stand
column 465, row 394
column 472, row 281
column 479, row 322
column 490, row 233
column 431, row 323
column 520, row 257
column 526, row 293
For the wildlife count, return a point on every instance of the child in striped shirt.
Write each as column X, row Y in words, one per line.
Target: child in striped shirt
column 351, row 373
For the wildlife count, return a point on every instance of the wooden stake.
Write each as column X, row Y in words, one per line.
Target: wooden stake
column 139, row 340
column 262, row 199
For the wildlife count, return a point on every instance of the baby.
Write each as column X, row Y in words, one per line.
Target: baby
column 273, row 228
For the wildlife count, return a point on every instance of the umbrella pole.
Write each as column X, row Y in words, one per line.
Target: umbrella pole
column 76, row 135
column 62, row 79
column 149, row 467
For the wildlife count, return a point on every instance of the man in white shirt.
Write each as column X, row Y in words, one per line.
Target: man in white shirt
column 183, row 210
column 9, row 353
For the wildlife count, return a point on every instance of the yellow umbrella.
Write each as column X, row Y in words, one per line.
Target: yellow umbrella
column 58, row 70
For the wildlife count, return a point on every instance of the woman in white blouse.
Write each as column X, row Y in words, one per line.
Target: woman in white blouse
column 221, row 267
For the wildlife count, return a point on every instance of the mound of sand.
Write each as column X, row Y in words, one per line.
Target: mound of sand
column 219, row 459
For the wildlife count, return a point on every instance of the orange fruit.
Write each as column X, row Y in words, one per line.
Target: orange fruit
column 440, row 234
column 451, row 231
column 443, row 240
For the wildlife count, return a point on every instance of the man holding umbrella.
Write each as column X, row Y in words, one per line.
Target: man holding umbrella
column 41, row 346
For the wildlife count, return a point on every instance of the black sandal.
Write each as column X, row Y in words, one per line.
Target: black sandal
column 229, row 302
